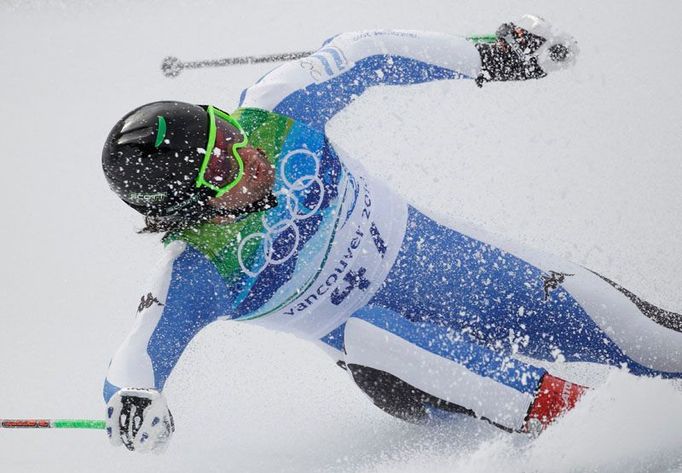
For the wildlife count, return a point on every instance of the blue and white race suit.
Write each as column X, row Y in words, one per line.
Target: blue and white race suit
column 458, row 314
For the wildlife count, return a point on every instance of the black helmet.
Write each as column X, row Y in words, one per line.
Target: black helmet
column 152, row 157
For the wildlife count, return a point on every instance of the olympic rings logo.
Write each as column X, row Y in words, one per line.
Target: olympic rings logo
column 286, row 231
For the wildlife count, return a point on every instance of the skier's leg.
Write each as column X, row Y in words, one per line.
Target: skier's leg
column 407, row 367
column 397, row 397
column 606, row 324
column 510, row 297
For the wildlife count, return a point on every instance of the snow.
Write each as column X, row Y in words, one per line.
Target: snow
column 584, row 164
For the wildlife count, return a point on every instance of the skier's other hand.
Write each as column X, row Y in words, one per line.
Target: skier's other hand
column 139, row 419
column 534, row 37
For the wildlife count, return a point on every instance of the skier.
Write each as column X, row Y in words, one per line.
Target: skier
column 269, row 223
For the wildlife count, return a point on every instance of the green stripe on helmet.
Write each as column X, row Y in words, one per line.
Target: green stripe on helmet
column 160, row 131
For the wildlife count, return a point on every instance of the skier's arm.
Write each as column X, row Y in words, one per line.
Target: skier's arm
column 188, row 296
column 315, row 88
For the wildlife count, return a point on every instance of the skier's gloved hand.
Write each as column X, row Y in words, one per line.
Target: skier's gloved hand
column 139, row 419
column 529, row 48
column 553, row 49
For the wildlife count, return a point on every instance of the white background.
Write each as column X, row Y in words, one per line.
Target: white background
column 585, row 164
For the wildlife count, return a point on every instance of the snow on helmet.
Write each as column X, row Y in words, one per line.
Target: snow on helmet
column 153, row 155
column 560, row 49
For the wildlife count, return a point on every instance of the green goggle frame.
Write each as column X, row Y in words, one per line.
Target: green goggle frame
column 214, row 112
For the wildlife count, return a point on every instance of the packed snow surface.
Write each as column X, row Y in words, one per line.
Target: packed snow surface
column 584, row 164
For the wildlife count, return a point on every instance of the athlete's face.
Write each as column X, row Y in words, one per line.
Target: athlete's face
column 259, row 177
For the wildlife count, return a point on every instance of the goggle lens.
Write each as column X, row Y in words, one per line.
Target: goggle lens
column 223, row 167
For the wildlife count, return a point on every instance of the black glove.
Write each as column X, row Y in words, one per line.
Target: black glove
column 139, row 419
column 527, row 49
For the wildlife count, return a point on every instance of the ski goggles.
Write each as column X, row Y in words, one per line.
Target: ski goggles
column 223, row 167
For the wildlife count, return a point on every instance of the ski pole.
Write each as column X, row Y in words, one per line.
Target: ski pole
column 52, row 424
column 482, row 38
column 172, row 66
